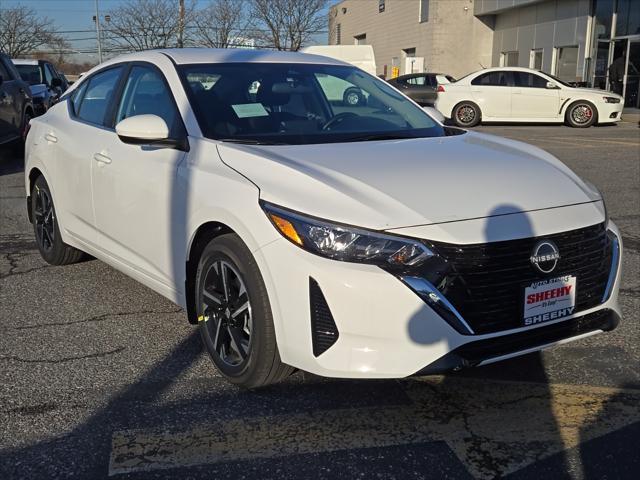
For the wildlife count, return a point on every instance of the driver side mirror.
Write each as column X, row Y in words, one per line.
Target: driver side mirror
column 56, row 82
column 551, row 85
column 148, row 130
column 1, row 79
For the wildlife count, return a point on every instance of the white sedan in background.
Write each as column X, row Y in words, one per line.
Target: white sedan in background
column 301, row 231
column 511, row 94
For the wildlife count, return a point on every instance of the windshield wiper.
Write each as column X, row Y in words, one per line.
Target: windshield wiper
column 378, row 136
column 249, row 141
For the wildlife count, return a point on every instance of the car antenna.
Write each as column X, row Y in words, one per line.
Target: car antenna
column 481, row 65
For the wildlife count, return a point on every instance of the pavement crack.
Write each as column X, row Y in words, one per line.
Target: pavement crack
column 98, row 318
column 16, row 358
column 13, row 259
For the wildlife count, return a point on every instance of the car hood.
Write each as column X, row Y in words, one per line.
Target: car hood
column 38, row 90
column 594, row 91
column 398, row 183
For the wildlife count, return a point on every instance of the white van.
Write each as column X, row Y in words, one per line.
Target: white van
column 361, row 56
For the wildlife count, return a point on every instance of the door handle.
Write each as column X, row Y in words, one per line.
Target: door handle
column 50, row 137
column 101, row 158
column 516, row 91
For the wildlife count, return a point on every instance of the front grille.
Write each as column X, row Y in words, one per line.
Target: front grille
column 324, row 332
column 486, row 283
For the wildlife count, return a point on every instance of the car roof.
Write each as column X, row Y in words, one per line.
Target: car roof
column 24, row 61
column 183, row 56
column 509, row 69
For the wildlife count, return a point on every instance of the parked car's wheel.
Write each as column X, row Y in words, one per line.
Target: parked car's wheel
column 353, row 96
column 24, row 128
column 581, row 114
column 466, row 114
column 47, row 231
column 235, row 315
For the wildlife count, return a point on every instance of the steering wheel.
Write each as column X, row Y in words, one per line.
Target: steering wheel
column 338, row 119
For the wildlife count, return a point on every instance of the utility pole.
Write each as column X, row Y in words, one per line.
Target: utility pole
column 180, row 25
column 98, row 33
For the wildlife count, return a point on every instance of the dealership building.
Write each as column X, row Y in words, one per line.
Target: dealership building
column 575, row 40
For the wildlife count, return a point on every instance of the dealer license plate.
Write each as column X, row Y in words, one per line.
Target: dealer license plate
column 548, row 300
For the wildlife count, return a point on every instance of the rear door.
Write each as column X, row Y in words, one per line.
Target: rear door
column 74, row 139
column 135, row 190
column 492, row 92
column 420, row 88
column 532, row 99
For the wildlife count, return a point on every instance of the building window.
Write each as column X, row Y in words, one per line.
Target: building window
column 628, row 18
column 509, row 59
column 535, row 61
column 567, row 63
column 603, row 13
column 338, row 34
column 380, row 6
column 360, row 39
column 424, row 11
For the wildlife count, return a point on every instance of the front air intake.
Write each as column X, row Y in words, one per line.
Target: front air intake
column 324, row 332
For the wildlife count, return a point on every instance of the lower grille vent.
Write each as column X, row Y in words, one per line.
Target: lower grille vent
column 324, row 332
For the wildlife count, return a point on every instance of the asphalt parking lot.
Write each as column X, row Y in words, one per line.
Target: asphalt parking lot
column 102, row 377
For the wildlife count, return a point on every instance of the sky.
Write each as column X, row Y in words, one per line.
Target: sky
column 75, row 18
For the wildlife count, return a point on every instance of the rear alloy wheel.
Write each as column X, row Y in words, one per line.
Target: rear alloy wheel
column 234, row 313
column 466, row 115
column 581, row 114
column 45, row 225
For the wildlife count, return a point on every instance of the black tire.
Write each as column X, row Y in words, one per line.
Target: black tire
column 581, row 114
column 466, row 114
column 353, row 97
column 260, row 365
column 46, row 229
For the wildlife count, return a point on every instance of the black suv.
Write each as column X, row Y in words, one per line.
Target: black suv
column 16, row 107
column 47, row 85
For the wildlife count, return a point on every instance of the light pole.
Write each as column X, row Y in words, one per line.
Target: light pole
column 98, row 33
column 180, row 24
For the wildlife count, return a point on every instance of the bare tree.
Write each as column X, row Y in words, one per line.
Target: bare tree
column 23, row 32
column 288, row 24
column 146, row 24
column 222, row 24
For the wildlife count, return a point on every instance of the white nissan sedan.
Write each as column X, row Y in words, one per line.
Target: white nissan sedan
column 511, row 94
column 301, row 231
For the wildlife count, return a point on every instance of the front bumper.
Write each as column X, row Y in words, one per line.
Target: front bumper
column 385, row 329
column 610, row 112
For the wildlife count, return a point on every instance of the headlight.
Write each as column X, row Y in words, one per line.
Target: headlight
column 346, row 243
column 611, row 99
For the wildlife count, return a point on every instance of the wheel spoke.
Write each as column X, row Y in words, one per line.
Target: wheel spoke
column 217, row 336
column 240, row 309
column 225, row 282
column 236, row 342
column 212, row 299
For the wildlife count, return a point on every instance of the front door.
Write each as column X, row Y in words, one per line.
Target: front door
column 134, row 186
column 532, row 99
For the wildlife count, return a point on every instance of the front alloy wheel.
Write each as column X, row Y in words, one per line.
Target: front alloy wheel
column 234, row 314
column 581, row 115
column 227, row 313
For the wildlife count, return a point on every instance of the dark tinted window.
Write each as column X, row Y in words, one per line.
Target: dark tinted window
column 30, row 74
column 421, row 81
column 146, row 93
column 529, row 80
column 48, row 74
column 76, row 97
column 99, row 95
column 496, row 79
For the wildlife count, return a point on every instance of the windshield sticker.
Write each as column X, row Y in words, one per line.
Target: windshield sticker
column 247, row 110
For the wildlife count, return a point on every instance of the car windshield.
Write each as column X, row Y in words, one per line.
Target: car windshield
column 294, row 104
column 30, row 74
